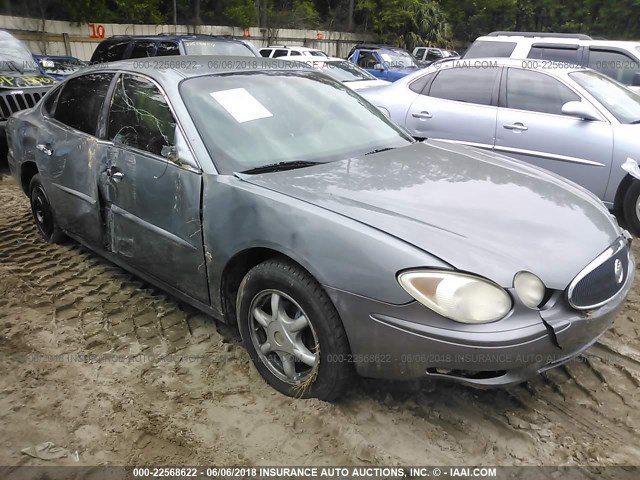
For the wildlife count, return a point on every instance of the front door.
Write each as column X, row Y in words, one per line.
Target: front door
column 71, row 153
column 153, row 199
column 532, row 128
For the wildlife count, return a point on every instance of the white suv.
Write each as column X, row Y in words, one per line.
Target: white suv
column 277, row 51
column 619, row 60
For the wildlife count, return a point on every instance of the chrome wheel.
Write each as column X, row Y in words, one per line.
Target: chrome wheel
column 283, row 337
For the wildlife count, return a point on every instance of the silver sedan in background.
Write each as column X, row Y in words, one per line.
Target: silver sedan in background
column 276, row 199
column 575, row 122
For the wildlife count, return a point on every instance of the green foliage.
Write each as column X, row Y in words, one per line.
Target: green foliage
column 241, row 13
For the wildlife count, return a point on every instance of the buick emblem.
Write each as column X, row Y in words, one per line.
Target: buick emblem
column 618, row 271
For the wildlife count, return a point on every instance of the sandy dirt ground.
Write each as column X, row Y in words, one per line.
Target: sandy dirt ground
column 117, row 372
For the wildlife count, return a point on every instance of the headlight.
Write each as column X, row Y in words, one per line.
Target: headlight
column 529, row 288
column 458, row 296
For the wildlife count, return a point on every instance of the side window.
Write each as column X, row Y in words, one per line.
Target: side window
column 143, row 49
column 280, row 53
column 537, row 92
column 565, row 55
column 167, row 49
column 265, row 52
column 139, row 116
column 484, row 48
column 613, row 64
column 295, row 52
column 49, row 105
column 419, row 53
column 419, row 84
column 367, row 60
column 81, row 100
column 471, row 85
column 110, row 51
column 434, row 55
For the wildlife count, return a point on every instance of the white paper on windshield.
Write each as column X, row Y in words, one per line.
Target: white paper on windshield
column 241, row 105
column 385, row 57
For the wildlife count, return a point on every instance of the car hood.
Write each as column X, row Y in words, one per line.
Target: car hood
column 479, row 212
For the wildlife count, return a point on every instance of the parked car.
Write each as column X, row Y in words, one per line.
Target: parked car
column 351, row 75
column 427, row 55
column 278, row 51
column 121, row 47
column 384, row 62
column 575, row 122
column 58, row 66
column 21, row 82
column 619, row 60
column 323, row 230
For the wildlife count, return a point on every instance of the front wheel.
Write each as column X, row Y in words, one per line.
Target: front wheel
column 292, row 332
column 631, row 208
column 43, row 213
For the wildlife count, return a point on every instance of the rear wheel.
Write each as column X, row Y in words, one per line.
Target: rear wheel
column 631, row 207
column 42, row 212
column 292, row 331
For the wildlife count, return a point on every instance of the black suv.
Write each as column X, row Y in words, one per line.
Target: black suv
column 121, row 47
column 22, row 84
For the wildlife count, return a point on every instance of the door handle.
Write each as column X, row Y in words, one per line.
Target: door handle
column 517, row 126
column 114, row 174
column 45, row 148
column 422, row 115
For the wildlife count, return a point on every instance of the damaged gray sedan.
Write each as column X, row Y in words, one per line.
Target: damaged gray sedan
column 274, row 198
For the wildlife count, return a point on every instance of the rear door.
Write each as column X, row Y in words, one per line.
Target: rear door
column 460, row 104
column 531, row 127
column 153, row 189
column 71, row 154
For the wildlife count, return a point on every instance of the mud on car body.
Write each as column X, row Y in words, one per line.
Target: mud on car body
column 357, row 254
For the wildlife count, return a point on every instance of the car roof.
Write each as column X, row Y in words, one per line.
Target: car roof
column 172, row 37
column 294, row 47
column 191, row 66
column 568, row 39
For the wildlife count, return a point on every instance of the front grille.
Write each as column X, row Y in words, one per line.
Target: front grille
column 12, row 101
column 601, row 279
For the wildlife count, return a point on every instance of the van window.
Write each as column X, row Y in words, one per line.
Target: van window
column 167, row 49
column 143, row 49
column 483, row 48
column 265, row 52
column 109, row 51
column 564, row 55
column 280, row 53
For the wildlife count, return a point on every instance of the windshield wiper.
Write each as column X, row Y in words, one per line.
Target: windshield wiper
column 380, row 150
column 280, row 166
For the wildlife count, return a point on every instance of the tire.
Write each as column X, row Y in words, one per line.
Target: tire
column 631, row 208
column 43, row 213
column 325, row 374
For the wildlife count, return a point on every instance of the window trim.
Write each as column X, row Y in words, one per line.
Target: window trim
column 187, row 165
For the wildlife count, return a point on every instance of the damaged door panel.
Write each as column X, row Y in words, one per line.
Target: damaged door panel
column 72, row 156
column 152, row 202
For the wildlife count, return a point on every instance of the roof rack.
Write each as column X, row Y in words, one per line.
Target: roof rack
column 579, row 36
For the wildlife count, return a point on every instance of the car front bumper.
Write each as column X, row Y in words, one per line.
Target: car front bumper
column 409, row 342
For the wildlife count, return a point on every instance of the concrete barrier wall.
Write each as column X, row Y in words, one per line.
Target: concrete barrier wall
column 55, row 37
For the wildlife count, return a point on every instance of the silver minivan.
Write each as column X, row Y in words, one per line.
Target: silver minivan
column 575, row 122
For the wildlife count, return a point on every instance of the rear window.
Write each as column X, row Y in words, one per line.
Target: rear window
column 265, row 52
column 483, row 48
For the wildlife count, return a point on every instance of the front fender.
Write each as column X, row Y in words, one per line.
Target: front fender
column 339, row 252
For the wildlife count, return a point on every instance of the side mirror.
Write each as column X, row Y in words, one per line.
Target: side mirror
column 580, row 110
column 635, row 81
column 170, row 152
column 378, row 66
